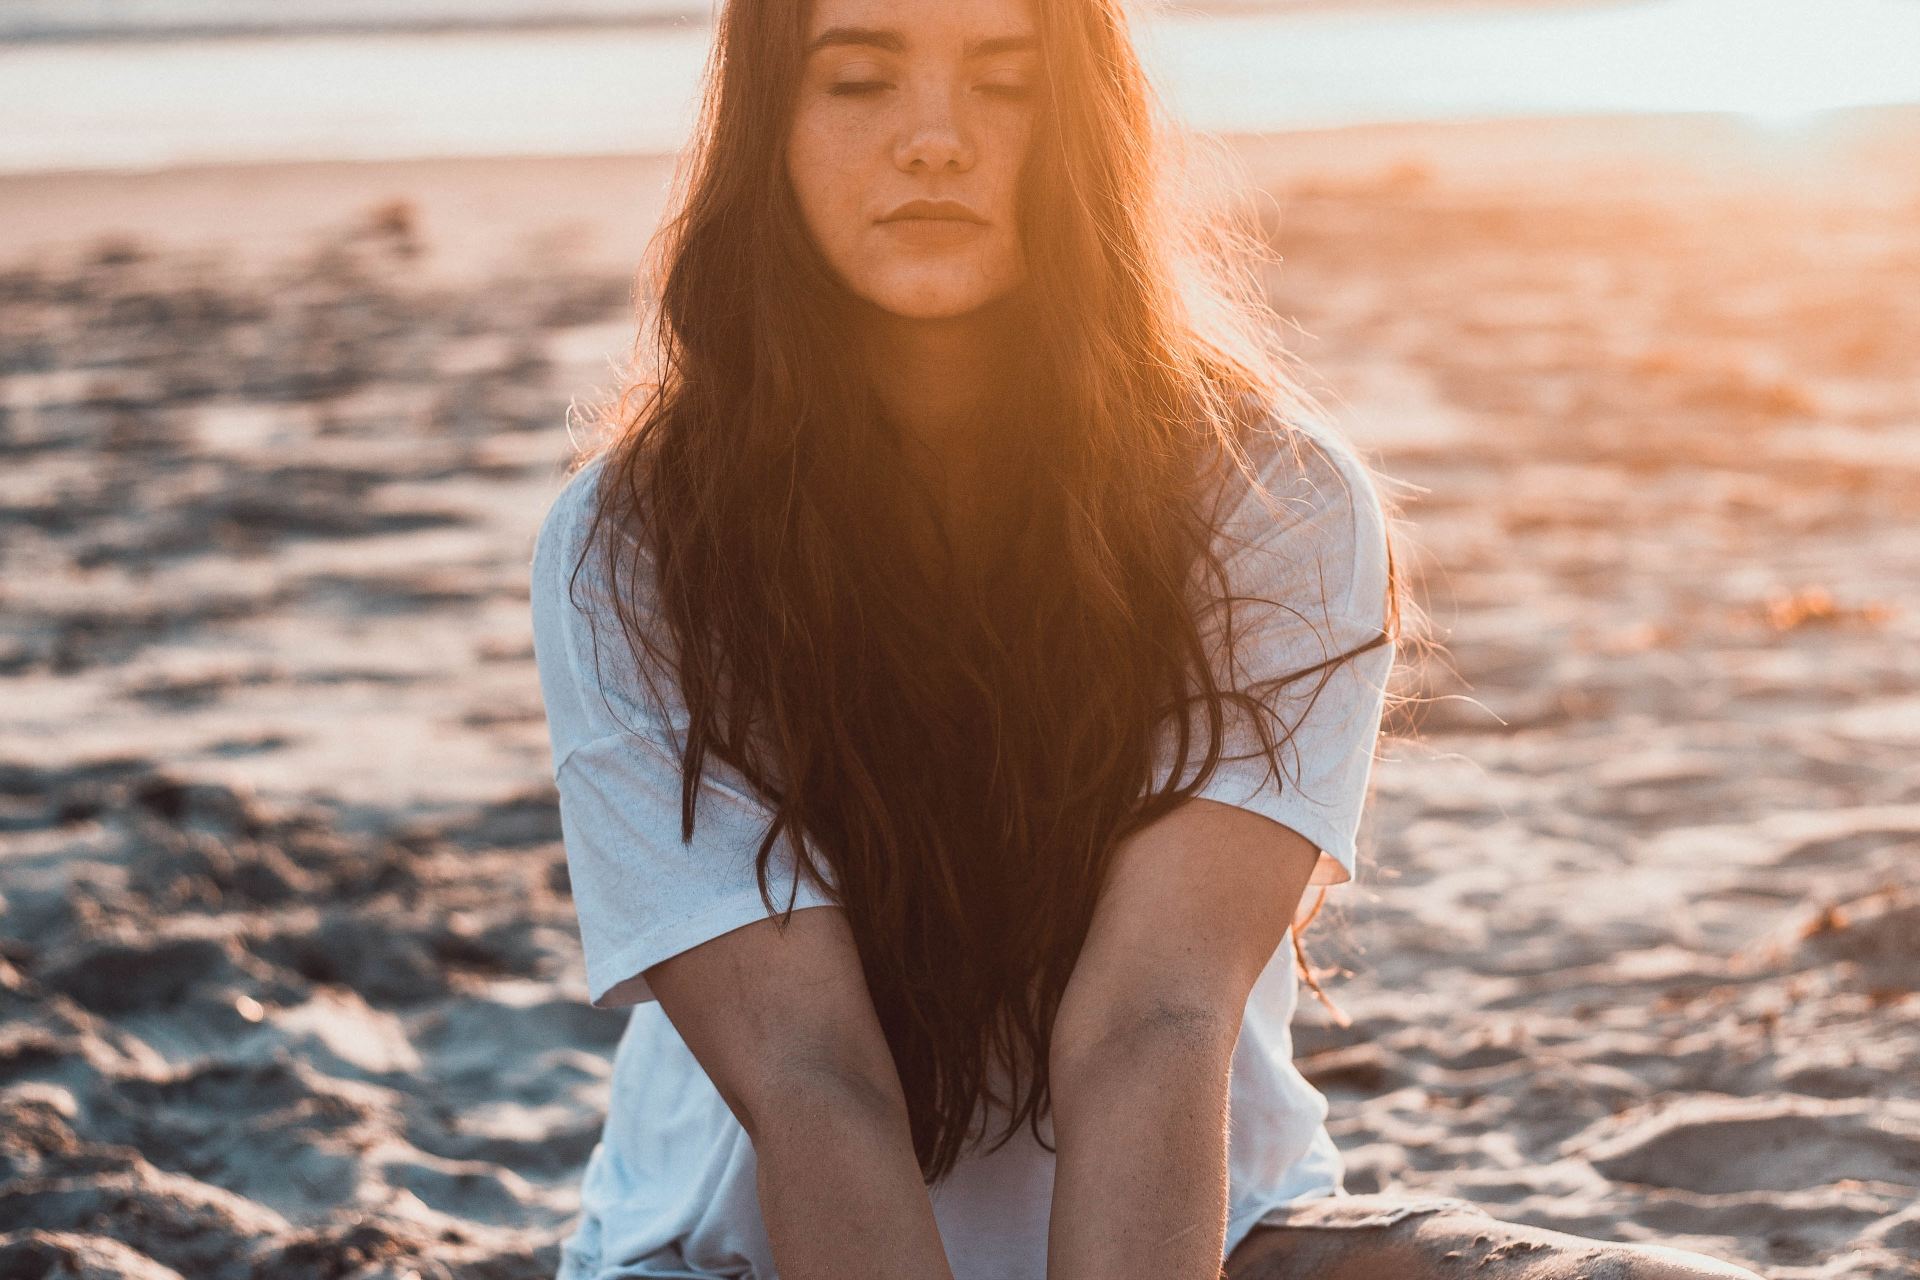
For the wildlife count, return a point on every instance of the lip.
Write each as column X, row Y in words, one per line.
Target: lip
column 933, row 211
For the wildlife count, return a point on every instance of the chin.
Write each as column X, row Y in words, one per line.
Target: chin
column 933, row 311
column 932, row 300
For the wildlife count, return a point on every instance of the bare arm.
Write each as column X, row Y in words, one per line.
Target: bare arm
column 782, row 1022
column 1194, row 907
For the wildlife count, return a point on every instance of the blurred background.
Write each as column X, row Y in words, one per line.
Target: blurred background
column 294, row 300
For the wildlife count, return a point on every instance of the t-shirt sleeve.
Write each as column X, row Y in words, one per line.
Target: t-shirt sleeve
column 640, row 894
column 1312, row 566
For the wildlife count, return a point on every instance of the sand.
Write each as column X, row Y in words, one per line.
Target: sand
column 289, row 985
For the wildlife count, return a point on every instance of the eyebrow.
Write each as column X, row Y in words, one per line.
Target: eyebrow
column 892, row 41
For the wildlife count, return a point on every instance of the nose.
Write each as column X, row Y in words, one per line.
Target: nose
column 934, row 136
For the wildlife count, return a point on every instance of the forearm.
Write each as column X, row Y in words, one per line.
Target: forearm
column 840, row 1190
column 1140, row 1179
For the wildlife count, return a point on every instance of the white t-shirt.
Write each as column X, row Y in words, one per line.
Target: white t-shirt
column 669, row 1191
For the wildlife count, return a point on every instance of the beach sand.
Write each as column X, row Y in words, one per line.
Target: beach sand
column 289, row 983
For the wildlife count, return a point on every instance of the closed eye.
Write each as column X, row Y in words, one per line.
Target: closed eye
column 856, row 88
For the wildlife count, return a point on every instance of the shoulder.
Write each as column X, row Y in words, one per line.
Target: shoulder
column 573, row 561
column 567, row 521
column 1318, row 510
column 1311, row 465
column 589, row 672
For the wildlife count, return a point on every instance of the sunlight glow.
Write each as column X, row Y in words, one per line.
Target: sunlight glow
column 1772, row 60
column 1779, row 63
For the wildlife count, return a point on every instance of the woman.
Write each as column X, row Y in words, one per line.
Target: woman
column 960, row 660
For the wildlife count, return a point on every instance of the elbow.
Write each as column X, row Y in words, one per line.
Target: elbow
column 812, row 1094
column 1162, row 1038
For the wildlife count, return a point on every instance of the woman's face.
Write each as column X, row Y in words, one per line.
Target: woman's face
column 906, row 103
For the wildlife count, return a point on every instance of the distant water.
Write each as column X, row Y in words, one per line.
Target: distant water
column 97, row 104
column 148, row 19
column 173, row 19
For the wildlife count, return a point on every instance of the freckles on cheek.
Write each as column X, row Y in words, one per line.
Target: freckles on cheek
column 820, row 165
column 841, row 201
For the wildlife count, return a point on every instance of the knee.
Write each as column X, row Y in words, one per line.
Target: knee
column 1662, row 1262
column 1532, row 1254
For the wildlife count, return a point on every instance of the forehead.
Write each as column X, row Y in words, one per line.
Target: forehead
column 905, row 25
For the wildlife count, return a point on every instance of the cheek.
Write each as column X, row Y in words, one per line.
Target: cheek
column 1010, row 146
column 821, row 167
column 1007, row 187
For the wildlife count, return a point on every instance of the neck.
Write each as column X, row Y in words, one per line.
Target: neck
column 942, row 384
column 940, row 380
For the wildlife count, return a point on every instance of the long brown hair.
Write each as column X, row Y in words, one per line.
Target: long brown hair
column 958, row 766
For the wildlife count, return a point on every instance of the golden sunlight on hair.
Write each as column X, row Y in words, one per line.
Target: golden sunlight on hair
column 966, row 639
